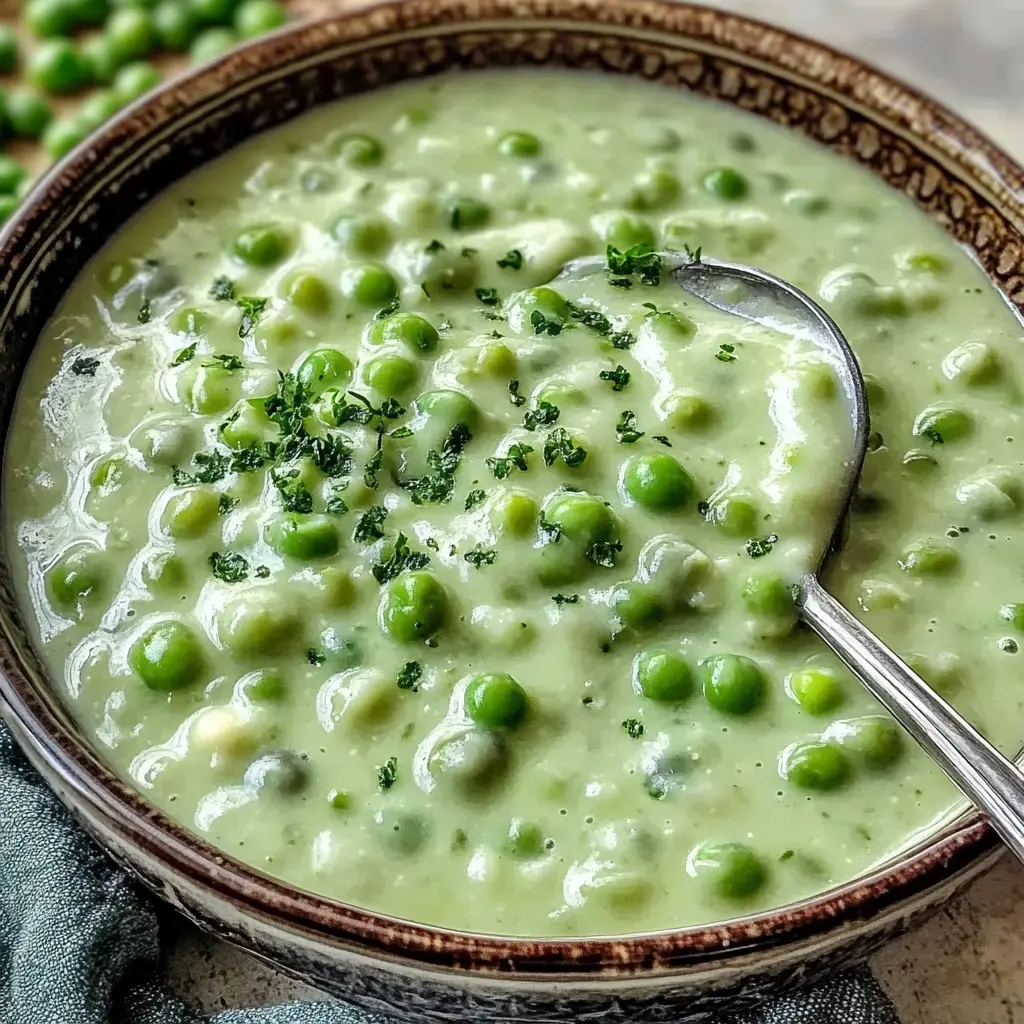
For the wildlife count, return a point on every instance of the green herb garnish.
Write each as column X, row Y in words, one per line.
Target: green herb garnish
column 488, row 296
column 370, row 525
column 618, row 378
column 474, row 498
column 387, row 773
column 252, row 311
column 512, row 260
column 224, row 362
column 561, row 599
column 409, row 675
column 634, row 728
column 222, row 289
column 625, row 429
column 479, row 556
column 639, row 261
column 759, row 548
column 545, row 415
column 185, row 355
column 85, row 366
column 513, row 393
column 403, row 558
column 436, row 487
column 515, row 458
column 230, row 567
column 542, row 325
column 207, row 468
column 725, row 353
column 560, row 445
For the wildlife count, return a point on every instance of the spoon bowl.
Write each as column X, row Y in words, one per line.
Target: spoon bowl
column 985, row 776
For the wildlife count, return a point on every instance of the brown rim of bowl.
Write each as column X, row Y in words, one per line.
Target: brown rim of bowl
column 966, row 155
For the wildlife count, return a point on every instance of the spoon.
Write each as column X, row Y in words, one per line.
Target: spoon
column 992, row 782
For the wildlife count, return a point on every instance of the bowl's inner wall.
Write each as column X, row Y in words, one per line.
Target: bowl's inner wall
column 81, row 204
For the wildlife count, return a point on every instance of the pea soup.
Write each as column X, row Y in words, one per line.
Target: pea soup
column 393, row 564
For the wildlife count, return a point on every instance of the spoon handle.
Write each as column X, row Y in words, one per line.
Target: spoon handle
column 989, row 780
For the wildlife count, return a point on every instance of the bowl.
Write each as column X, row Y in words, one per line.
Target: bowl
column 411, row 971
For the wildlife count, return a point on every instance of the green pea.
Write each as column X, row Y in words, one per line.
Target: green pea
column 191, row 513
column 167, row 657
column 623, row 230
column 175, row 25
column 446, row 409
column 106, row 474
column 257, row 17
column 304, row 537
column 28, row 113
column 264, row 686
column 583, row 517
column 62, row 136
column 973, row 363
column 402, row 833
column 731, row 871
column 57, row 67
column 390, row 375
column 362, row 234
column 164, row 572
column 10, row 49
column 815, row 765
column 212, row 43
column 662, row 675
column 131, row 33
column 411, row 330
column 212, row 12
column 102, row 58
column 281, row 773
column 768, row 596
column 734, row 516
column 414, row 606
column 371, row 284
column 213, row 389
column 637, row 606
column 520, row 145
column 12, row 174
column 77, row 577
column 942, row 423
column 1014, row 614
column 135, row 80
column 733, row 684
column 165, row 442
column 99, row 108
column 727, row 184
column 262, row 245
column 549, row 304
column 358, row 150
column 815, row 689
column 465, row 214
column 191, row 322
column 47, row 18
column 262, row 623
column 308, row 292
column 324, row 367
column 687, row 410
column 525, row 840
column 653, row 189
column 657, row 482
column 874, row 741
column 994, row 493
column 928, row 558
column 518, row 512
column 496, row 701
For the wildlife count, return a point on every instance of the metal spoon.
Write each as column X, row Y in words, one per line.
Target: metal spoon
column 988, row 779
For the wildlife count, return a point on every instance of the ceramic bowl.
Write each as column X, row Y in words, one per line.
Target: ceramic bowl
column 411, row 971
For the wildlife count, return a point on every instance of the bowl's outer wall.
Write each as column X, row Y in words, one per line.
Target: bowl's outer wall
column 957, row 176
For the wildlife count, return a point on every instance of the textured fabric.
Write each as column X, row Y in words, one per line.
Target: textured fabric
column 79, row 942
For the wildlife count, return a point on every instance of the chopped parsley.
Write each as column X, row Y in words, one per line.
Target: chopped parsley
column 373, row 464
column 252, row 309
column 185, row 355
column 474, row 498
column 661, row 439
column 625, row 429
column 224, row 362
column 488, row 296
column 332, row 455
column 385, row 311
column 230, row 567
column 542, row 325
column 931, row 433
column 315, row 657
column 436, row 487
column 726, row 353
column 253, row 457
column 435, row 245
column 222, row 290
column 561, row 599
column 145, row 312
column 545, row 415
column 370, row 525
column 512, row 260
column 618, row 378
column 634, row 728
column 560, row 445
column 294, row 493
column 85, row 366
column 640, row 261
column 759, row 548
column 590, row 318
column 409, row 675
column 513, row 393
column 262, row 572
column 552, row 531
column 207, row 468
column 387, row 774
column 225, row 504
column 515, row 458
column 480, row 557
column 402, row 558
column 603, row 552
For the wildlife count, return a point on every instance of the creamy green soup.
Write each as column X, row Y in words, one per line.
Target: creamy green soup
column 406, row 572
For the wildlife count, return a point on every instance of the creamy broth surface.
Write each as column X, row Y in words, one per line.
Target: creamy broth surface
column 406, row 573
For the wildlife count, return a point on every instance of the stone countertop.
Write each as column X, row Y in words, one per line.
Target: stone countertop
column 965, row 966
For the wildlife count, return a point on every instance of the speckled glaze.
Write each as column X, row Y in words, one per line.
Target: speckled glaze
column 414, row 972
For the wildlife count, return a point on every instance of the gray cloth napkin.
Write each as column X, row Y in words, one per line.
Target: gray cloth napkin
column 79, row 942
